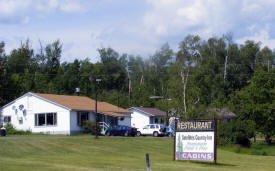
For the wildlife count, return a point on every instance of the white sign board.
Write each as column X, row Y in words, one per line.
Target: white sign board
column 195, row 140
column 195, row 146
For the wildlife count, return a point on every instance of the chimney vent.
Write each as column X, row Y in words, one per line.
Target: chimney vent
column 77, row 90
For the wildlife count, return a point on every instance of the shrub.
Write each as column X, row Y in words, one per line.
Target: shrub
column 90, row 127
column 235, row 132
column 12, row 131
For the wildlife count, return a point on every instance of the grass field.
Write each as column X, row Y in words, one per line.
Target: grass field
column 112, row 153
column 258, row 148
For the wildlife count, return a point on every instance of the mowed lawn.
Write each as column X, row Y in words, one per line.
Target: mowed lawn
column 112, row 153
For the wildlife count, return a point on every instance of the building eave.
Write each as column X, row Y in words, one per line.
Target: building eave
column 141, row 111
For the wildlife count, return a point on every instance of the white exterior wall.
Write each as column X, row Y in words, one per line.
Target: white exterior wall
column 126, row 121
column 32, row 106
column 73, row 121
column 139, row 120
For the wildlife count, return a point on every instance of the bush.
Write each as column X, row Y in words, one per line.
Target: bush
column 12, row 131
column 90, row 127
column 235, row 132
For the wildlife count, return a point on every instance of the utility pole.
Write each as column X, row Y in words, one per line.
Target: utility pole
column 129, row 83
column 97, row 82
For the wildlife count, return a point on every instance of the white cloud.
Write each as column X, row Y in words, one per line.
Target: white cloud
column 76, row 43
column 169, row 20
column 26, row 20
column 10, row 7
column 261, row 36
column 183, row 16
column 210, row 18
column 17, row 10
column 251, row 8
column 71, row 6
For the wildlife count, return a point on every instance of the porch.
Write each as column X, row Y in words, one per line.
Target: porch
column 157, row 120
column 106, row 120
column 109, row 120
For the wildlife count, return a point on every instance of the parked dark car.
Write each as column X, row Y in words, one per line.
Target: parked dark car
column 3, row 131
column 121, row 130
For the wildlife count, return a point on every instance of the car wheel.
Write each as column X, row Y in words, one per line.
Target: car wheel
column 138, row 134
column 108, row 133
column 155, row 134
column 126, row 134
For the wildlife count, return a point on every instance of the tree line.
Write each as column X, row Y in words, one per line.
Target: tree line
column 199, row 75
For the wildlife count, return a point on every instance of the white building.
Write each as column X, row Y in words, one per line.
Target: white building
column 58, row 114
column 142, row 116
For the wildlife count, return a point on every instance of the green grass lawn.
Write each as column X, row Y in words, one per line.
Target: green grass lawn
column 258, row 148
column 112, row 153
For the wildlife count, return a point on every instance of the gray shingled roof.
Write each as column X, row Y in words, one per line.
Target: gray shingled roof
column 223, row 113
column 150, row 111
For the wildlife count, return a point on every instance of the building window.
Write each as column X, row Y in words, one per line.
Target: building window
column 156, row 120
column 51, row 119
column 45, row 119
column 7, row 119
column 82, row 116
column 151, row 120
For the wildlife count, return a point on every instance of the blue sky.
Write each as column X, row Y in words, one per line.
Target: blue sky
column 137, row 27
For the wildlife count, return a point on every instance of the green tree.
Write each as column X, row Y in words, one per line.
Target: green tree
column 20, row 68
column 53, row 55
column 188, row 57
column 21, row 58
column 256, row 102
column 112, row 70
column 3, row 75
column 160, row 62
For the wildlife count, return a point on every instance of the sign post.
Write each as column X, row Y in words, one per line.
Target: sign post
column 147, row 162
column 195, row 140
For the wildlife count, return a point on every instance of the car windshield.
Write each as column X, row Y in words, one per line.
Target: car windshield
column 146, row 127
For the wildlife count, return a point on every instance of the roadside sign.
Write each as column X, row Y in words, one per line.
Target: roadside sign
column 195, row 140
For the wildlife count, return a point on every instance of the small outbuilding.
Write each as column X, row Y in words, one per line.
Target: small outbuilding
column 142, row 116
column 223, row 114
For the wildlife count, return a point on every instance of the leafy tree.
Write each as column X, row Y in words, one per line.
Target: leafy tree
column 20, row 67
column 3, row 75
column 236, row 132
column 53, row 54
column 111, row 70
column 160, row 62
column 265, row 58
column 256, row 103
column 21, row 58
column 71, row 77
column 85, row 71
column 188, row 57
